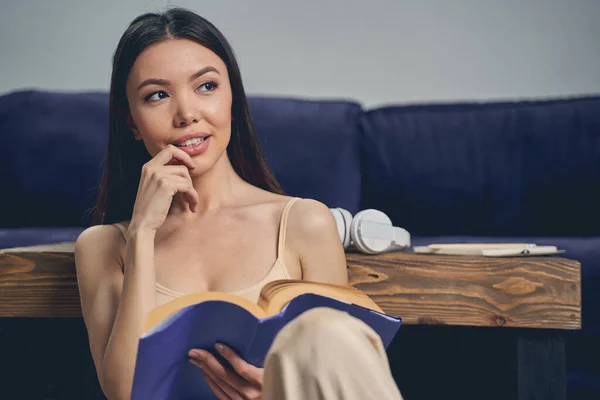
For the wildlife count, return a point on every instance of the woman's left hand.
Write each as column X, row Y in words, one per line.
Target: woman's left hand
column 244, row 382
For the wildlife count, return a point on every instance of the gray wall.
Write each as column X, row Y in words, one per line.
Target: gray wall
column 373, row 51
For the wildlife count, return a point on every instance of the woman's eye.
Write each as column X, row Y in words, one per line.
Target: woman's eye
column 208, row 86
column 155, row 96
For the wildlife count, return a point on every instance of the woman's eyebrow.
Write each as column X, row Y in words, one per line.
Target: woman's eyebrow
column 203, row 71
column 164, row 82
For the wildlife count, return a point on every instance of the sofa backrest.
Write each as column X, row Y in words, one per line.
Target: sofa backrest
column 313, row 147
column 504, row 168
column 54, row 145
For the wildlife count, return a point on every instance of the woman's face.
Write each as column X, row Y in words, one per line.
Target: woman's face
column 178, row 88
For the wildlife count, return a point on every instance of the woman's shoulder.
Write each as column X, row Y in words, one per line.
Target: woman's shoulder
column 100, row 240
column 305, row 216
column 310, row 217
column 309, row 223
column 104, row 232
column 303, row 213
column 313, row 236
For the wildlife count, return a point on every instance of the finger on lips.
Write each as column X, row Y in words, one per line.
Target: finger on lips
column 183, row 156
column 171, row 154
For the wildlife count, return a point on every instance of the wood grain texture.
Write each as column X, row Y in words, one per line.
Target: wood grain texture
column 38, row 284
column 534, row 292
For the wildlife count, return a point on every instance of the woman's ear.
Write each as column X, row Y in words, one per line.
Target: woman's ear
column 133, row 128
column 130, row 124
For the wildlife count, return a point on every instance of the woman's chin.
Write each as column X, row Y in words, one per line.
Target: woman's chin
column 203, row 165
column 200, row 169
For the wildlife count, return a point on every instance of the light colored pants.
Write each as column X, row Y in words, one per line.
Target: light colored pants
column 326, row 354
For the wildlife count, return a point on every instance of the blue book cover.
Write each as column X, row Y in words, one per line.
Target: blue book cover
column 163, row 372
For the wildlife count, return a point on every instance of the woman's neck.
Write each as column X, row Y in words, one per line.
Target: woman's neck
column 216, row 188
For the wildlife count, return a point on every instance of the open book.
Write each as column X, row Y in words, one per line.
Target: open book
column 200, row 320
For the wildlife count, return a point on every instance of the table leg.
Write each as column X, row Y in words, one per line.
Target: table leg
column 541, row 366
column 437, row 362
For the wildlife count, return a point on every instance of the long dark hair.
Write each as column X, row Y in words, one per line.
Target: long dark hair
column 125, row 156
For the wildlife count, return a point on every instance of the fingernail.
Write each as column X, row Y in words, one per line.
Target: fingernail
column 195, row 354
column 220, row 348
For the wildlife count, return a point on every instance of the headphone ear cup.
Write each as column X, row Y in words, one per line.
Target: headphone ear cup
column 363, row 242
column 347, row 218
column 347, row 223
column 343, row 219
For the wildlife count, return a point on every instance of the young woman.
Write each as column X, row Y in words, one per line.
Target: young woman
column 188, row 204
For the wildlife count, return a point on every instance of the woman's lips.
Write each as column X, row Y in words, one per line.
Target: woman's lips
column 196, row 149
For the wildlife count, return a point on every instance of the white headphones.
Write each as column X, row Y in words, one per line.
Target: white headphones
column 370, row 231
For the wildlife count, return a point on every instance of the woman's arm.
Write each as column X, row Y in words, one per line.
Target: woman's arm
column 115, row 305
column 314, row 237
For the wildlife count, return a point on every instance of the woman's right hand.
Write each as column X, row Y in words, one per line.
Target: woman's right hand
column 158, row 184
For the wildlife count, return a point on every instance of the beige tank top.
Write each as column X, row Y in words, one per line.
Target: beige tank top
column 277, row 271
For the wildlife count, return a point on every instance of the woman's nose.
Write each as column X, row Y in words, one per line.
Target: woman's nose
column 186, row 114
column 185, row 119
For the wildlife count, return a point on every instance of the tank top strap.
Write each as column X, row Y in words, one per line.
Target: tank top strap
column 124, row 234
column 122, row 229
column 283, row 226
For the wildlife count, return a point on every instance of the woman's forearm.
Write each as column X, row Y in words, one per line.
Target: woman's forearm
column 138, row 298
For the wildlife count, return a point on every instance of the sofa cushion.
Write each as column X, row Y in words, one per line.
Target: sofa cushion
column 312, row 147
column 518, row 168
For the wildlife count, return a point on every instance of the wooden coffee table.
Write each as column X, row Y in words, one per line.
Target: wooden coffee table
column 485, row 328
column 475, row 327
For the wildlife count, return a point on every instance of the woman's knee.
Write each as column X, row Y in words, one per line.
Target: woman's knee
column 325, row 330
column 328, row 343
column 315, row 323
column 319, row 320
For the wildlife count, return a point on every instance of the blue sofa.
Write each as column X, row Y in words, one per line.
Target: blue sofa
column 526, row 171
